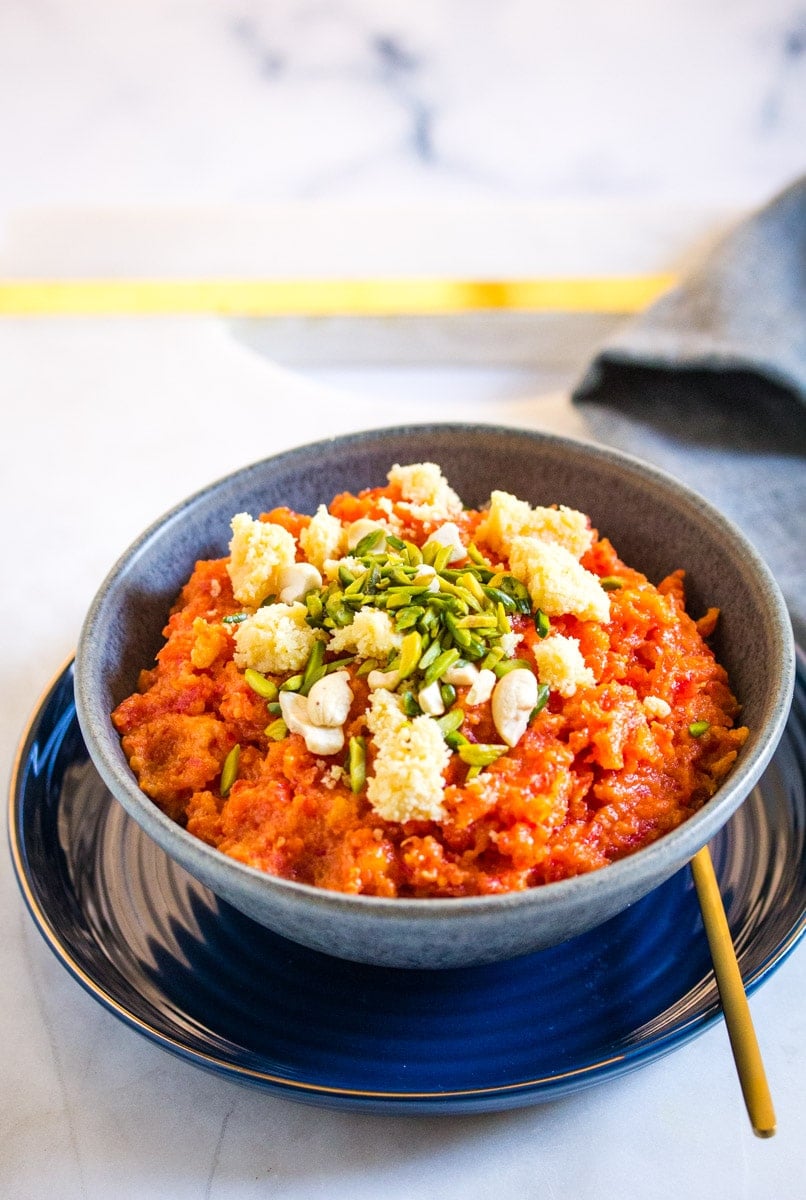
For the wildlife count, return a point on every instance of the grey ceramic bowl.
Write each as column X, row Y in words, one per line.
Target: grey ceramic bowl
column 656, row 524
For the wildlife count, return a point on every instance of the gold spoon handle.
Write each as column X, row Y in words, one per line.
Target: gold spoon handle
column 743, row 1041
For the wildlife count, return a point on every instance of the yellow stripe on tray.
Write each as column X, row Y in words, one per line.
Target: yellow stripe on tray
column 326, row 297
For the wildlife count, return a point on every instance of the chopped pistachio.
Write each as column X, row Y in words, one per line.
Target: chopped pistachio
column 542, row 700
column 259, row 684
column 450, row 721
column 357, row 764
column 440, row 665
column 229, row 771
column 510, row 664
column 479, row 754
column 410, row 652
column 314, row 668
column 542, row 623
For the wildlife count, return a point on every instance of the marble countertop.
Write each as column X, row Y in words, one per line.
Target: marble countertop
column 453, row 137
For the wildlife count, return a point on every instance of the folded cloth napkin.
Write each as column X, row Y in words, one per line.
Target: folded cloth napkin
column 710, row 384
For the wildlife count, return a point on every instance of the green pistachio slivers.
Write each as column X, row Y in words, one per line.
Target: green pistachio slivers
column 409, row 704
column 357, row 764
column 450, row 721
column 493, row 657
column 429, row 656
column 314, row 668
column 400, row 599
column 372, row 578
column 475, row 649
column 479, row 754
column 440, row 665
column 515, row 590
column 611, row 583
column 342, row 616
column 542, row 700
column 315, row 607
column 460, row 636
column 410, row 652
column 408, row 616
column 229, row 771
column 442, row 558
column 368, row 543
column 356, row 585
column 500, row 597
column 293, row 684
column 470, row 583
column 234, row 618
column 486, row 620
column 698, row 728
column 476, row 556
column 338, row 612
column 542, row 623
column 502, row 619
column 264, row 687
column 510, row 664
column 463, row 594
column 448, row 694
column 338, row 663
column 277, row 730
column 455, row 739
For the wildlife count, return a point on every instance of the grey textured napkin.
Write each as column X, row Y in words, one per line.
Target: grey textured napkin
column 710, row 384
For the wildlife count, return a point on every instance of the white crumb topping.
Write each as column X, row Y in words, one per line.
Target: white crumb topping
column 407, row 783
column 275, row 640
column 258, row 551
column 654, row 706
column 323, row 538
column 509, row 518
column 560, row 664
column 556, row 581
column 388, row 509
column 331, row 776
column 426, row 491
column 371, row 635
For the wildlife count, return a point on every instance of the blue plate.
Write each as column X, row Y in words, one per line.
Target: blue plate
column 201, row 980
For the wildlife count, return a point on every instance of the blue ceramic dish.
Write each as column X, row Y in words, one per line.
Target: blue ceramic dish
column 657, row 526
column 197, row 978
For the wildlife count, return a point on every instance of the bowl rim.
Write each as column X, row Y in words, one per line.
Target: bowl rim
column 103, row 744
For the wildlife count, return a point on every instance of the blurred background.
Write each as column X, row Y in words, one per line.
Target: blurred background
column 299, row 139
column 400, row 101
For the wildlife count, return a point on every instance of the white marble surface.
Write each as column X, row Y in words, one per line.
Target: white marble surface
column 354, row 99
column 496, row 138
column 90, row 1109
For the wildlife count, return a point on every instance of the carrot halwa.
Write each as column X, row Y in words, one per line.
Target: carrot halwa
column 400, row 697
